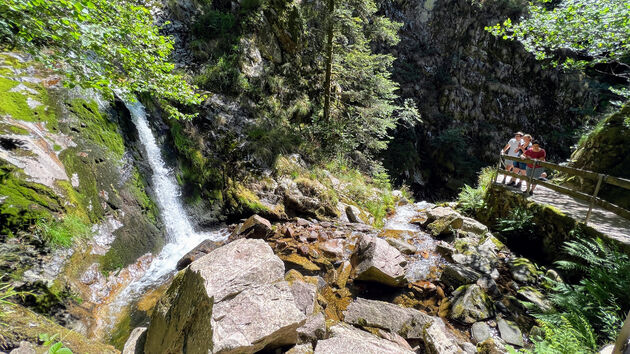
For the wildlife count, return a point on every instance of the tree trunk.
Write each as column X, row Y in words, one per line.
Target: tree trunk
column 329, row 59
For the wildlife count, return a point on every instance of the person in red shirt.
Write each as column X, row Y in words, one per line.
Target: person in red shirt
column 534, row 153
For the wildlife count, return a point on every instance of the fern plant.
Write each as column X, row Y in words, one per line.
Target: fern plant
column 564, row 334
column 520, row 220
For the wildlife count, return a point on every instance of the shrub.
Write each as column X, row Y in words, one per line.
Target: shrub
column 470, row 200
column 213, row 24
column 568, row 334
column 520, row 220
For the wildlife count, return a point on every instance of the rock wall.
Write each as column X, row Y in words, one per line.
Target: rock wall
column 473, row 92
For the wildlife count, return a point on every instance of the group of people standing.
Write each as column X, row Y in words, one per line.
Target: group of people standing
column 522, row 146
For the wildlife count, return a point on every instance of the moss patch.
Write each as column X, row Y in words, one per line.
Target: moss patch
column 16, row 104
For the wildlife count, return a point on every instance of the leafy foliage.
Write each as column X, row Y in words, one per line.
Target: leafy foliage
column 54, row 346
column 61, row 233
column 568, row 334
column 596, row 29
column 98, row 44
column 601, row 296
column 470, row 200
column 520, row 220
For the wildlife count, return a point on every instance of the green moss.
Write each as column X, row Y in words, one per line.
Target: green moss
column 15, row 104
column 62, row 233
column 86, row 195
column 137, row 187
column 12, row 129
column 98, row 129
column 23, row 203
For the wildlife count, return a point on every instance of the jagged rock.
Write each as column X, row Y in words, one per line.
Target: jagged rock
column 524, row 271
column 534, row 296
column 437, row 338
column 406, row 322
column 334, row 247
column 445, row 250
column 232, row 299
column 402, row 246
column 441, row 212
column 201, row 250
column 375, row 260
column 301, row 349
column 135, row 342
column 255, row 227
column 470, row 304
column 343, row 273
column 456, row 275
column 510, row 332
column 393, row 337
column 479, row 332
column 354, row 214
column 347, row 339
column 304, row 295
column 314, row 328
column 443, row 221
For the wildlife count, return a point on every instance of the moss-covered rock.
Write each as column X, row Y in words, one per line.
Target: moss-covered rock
column 470, row 304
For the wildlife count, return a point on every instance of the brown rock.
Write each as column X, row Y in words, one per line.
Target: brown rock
column 333, row 247
column 255, row 227
column 201, row 250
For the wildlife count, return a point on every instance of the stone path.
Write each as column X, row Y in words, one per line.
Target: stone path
column 602, row 220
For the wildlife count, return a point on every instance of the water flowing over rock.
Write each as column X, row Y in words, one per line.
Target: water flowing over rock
column 375, row 260
column 235, row 301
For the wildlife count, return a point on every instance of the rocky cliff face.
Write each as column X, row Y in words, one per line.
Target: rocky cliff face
column 474, row 91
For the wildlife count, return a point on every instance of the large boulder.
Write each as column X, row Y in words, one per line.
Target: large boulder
column 510, row 332
column 438, row 339
column 313, row 330
column 347, row 339
column 375, row 260
column 470, row 304
column 232, row 300
column 407, row 322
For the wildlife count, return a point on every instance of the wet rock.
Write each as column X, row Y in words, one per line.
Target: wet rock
column 524, row 271
column 235, row 300
column 510, row 332
column 402, row 246
column 375, row 260
column 304, row 295
column 438, row 339
column 135, row 342
column 456, row 275
column 301, row 349
column 479, row 332
column 347, row 339
column 406, row 322
column 445, row 250
column 201, row 250
column 446, row 225
column 255, row 227
column 314, row 329
column 470, row 304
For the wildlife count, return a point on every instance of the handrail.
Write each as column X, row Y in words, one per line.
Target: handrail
column 593, row 199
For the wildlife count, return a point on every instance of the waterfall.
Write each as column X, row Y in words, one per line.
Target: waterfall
column 181, row 236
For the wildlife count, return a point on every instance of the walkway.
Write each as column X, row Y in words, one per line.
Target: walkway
column 604, row 221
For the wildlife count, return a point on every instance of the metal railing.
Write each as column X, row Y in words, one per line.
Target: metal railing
column 600, row 178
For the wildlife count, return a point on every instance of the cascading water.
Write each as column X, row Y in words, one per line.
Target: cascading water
column 181, row 236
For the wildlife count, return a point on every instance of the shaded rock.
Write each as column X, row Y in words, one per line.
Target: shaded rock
column 343, row 273
column 255, row 227
column 235, row 300
column 347, row 339
column 304, row 295
column 375, row 260
column 479, row 332
column 201, row 250
column 299, row 263
column 301, row 349
column 135, row 342
column 406, row 322
column 510, row 332
column 402, row 246
column 445, row 250
column 437, row 339
column 523, row 270
column 446, row 225
column 470, row 304
column 313, row 330
column 456, row 275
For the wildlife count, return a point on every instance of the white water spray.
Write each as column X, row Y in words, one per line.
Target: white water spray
column 181, row 236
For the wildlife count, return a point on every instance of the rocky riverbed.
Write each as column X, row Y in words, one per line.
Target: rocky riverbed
column 304, row 286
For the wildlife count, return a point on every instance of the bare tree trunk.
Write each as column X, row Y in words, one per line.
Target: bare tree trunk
column 329, row 59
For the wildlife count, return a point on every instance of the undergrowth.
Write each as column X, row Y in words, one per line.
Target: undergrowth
column 471, row 200
column 61, row 233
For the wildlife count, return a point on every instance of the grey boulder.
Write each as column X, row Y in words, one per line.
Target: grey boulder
column 375, row 260
column 346, row 339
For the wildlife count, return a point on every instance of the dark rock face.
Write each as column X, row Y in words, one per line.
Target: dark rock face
column 201, row 250
column 473, row 91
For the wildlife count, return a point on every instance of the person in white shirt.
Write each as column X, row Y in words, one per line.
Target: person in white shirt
column 512, row 149
column 521, row 167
